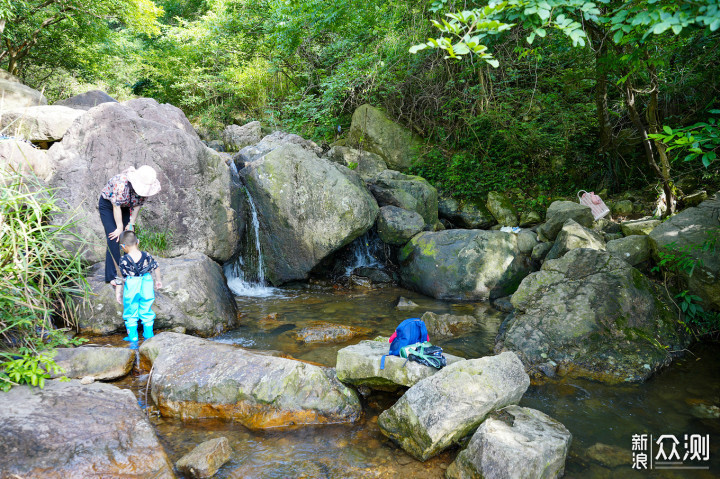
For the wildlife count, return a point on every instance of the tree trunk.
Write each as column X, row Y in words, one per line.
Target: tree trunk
column 653, row 119
column 663, row 174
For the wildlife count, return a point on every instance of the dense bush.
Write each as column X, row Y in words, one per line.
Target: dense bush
column 41, row 282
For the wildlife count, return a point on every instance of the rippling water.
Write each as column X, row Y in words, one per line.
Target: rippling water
column 677, row 401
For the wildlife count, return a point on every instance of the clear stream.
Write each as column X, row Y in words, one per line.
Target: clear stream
column 680, row 400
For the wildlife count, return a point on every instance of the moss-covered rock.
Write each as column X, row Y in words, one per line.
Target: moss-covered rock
column 561, row 211
column 308, row 208
column 502, row 209
column 468, row 214
column 463, row 264
column 445, row 407
column 573, row 236
column 371, row 130
column 589, row 314
column 413, row 193
column 396, row 226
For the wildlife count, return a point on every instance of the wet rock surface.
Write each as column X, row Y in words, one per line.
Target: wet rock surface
column 101, row 363
column 205, row 460
column 197, row 378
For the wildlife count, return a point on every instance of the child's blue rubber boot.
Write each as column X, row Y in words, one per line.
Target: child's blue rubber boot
column 132, row 334
column 148, row 330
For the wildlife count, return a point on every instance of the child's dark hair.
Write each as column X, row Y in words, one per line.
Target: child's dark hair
column 128, row 238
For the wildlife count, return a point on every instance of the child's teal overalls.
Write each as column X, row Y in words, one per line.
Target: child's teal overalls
column 138, row 297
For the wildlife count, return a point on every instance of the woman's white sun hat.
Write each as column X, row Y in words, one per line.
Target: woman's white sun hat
column 144, row 180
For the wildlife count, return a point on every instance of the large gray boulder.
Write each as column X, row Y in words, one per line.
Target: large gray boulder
column 194, row 295
column 272, row 142
column 502, row 209
column 196, row 204
column 196, row 378
column 46, row 123
column 463, row 264
column 14, row 94
column 24, row 158
column 633, row 249
column 573, row 236
column 514, row 443
column 371, row 130
column 87, row 100
column 359, row 365
column 102, row 363
column 561, row 211
column 690, row 230
column 392, row 188
column 70, row 430
column 589, row 314
column 396, row 226
column 467, row 390
column 468, row 214
column 308, row 208
column 366, row 164
column 237, row 137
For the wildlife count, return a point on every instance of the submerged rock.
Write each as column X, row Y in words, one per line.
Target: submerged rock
column 196, row 204
column 197, row 378
column 595, row 317
column 70, row 430
column 561, row 211
column 194, row 296
column 371, row 130
column 205, row 460
column 609, row 456
column 690, row 230
column 413, row 193
column 445, row 407
column 359, row 365
column 323, row 332
column 463, row 264
column 448, row 324
column 308, row 208
column 99, row 363
column 515, row 442
column 406, row 304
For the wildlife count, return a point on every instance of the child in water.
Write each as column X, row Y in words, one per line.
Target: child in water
column 138, row 294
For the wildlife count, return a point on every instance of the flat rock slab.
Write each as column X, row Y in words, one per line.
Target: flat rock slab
column 322, row 332
column 205, row 460
column 359, row 365
column 448, row 324
column 633, row 249
column 70, row 430
column 198, row 378
column 639, row 227
column 442, row 409
column 514, row 443
column 100, row 363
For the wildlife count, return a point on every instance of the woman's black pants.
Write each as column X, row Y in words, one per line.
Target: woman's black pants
column 108, row 221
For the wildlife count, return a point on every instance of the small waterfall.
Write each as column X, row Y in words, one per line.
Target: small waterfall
column 365, row 251
column 246, row 274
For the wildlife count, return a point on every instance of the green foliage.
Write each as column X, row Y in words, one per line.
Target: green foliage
column 153, row 241
column 697, row 320
column 41, row 282
column 352, row 165
column 700, row 141
column 28, row 369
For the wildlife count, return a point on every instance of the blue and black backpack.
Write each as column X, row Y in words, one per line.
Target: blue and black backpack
column 410, row 331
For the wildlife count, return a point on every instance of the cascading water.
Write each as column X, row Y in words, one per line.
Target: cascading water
column 365, row 252
column 246, row 274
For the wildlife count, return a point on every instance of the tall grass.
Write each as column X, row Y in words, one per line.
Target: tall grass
column 41, row 282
